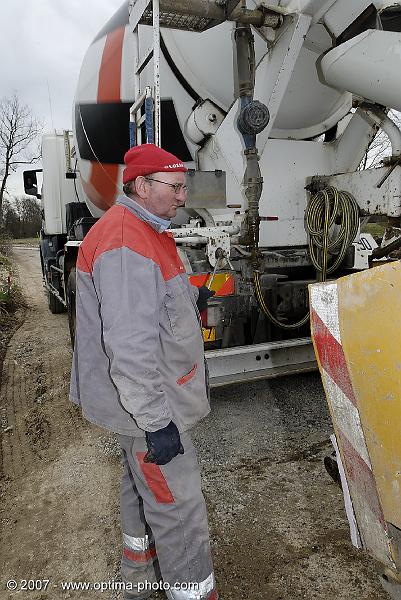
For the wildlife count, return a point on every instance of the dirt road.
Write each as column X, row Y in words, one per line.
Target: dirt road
column 277, row 521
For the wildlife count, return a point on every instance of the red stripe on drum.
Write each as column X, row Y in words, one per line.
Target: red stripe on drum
column 141, row 557
column 213, row 596
column 331, row 356
column 109, row 88
column 155, row 480
column 103, row 185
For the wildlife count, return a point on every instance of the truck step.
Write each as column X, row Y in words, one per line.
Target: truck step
column 260, row 361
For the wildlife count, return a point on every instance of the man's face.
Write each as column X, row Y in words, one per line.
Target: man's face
column 161, row 199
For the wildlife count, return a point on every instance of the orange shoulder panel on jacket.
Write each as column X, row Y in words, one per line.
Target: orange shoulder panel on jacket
column 119, row 228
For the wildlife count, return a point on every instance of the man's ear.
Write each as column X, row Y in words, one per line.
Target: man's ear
column 140, row 187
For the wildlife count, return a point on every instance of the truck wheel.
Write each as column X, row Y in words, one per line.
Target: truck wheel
column 331, row 466
column 42, row 263
column 71, row 303
column 55, row 306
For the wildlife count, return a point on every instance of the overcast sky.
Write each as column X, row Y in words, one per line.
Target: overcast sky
column 42, row 44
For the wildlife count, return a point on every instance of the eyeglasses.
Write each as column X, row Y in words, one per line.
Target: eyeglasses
column 177, row 187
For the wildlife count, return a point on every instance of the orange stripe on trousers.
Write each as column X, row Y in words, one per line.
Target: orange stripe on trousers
column 155, row 480
column 140, row 556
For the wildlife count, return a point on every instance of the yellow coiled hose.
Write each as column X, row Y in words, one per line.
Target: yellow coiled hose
column 332, row 223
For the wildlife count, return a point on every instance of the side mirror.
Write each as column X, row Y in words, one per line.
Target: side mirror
column 31, row 183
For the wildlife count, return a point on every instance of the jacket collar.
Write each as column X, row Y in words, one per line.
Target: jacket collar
column 143, row 214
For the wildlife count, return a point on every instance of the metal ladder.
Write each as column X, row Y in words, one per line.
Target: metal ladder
column 184, row 15
column 150, row 97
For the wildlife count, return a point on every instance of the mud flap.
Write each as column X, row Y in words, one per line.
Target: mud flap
column 356, row 332
column 392, row 588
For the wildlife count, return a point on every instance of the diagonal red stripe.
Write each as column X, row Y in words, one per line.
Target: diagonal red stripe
column 140, row 556
column 103, row 179
column 228, row 288
column 361, row 476
column 110, row 68
column 213, row 596
column 155, row 480
column 331, row 356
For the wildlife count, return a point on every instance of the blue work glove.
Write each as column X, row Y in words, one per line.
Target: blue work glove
column 163, row 444
column 204, row 295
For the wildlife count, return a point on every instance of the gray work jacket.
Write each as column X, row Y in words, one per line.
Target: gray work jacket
column 138, row 358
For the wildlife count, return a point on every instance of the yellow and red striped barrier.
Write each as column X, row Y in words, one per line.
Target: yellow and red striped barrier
column 356, row 332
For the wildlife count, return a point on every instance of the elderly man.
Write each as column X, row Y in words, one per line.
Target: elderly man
column 139, row 371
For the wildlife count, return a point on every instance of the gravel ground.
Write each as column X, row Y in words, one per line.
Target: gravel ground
column 277, row 521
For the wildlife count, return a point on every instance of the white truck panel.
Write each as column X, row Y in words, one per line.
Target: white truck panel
column 363, row 185
column 57, row 191
column 285, row 166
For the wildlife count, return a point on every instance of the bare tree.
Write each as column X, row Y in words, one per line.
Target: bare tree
column 19, row 132
column 380, row 146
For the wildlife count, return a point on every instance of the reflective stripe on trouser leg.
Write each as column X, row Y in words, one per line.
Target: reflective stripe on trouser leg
column 203, row 590
column 175, row 509
column 138, row 563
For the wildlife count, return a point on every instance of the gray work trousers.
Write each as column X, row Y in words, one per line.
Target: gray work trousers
column 164, row 523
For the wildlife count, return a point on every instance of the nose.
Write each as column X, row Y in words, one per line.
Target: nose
column 182, row 195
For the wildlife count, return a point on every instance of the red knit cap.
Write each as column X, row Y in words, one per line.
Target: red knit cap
column 148, row 158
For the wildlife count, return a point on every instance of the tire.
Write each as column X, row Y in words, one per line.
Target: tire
column 71, row 303
column 42, row 263
column 331, row 466
column 55, row 306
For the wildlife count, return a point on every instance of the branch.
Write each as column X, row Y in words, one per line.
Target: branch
column 26, row 162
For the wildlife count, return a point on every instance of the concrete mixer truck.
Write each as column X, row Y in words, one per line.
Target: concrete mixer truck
column 272, row 106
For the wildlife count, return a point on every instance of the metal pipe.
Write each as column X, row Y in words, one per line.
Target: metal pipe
column 55, row 293
column 258, row 17
column 191, row 240
column 380, row 252
column 252, row 178
column 393, row 133
column 53, row 268
column 206, row 232
column 253, row 192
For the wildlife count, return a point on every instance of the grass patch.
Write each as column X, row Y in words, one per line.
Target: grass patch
column 375, row 229
column 12, row 304
column 5, row 244
column 5, row 262
column 11, row 298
